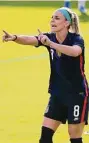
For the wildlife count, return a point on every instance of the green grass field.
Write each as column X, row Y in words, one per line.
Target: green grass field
column 24, row 72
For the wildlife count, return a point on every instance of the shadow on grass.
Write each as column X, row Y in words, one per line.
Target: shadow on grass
column 84, row 17
column 32, row 3
column 57, row 4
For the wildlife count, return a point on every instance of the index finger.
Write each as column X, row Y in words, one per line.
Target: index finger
column 39, row 31
column 5, row 32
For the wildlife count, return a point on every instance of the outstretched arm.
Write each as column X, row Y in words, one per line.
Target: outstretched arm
column 20, row 39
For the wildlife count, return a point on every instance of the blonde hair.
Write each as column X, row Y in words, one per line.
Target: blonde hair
column 74, row 26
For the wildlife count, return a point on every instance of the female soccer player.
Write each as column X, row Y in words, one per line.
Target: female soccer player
column 68, row 86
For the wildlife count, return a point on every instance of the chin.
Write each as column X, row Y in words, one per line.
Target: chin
column 52, row 30
column 55, row 30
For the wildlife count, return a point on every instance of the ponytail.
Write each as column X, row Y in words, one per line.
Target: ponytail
column 75, row 23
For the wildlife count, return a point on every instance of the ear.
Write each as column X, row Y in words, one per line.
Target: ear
column 67, row 23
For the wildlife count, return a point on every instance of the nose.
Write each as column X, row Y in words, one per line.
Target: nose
column 52, row 20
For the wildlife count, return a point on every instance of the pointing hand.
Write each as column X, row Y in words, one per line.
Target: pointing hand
column 8, row 37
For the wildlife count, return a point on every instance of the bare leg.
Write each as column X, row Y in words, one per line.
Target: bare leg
column 49, row 127
column 67, row 3
column 81, row 6
column 75, row 132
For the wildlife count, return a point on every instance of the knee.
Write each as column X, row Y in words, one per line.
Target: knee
column 74, row 132
column 46, row 135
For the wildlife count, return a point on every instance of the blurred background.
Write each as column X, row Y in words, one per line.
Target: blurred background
column 24, row 70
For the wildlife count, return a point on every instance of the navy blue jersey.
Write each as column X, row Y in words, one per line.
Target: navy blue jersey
column 67, row 72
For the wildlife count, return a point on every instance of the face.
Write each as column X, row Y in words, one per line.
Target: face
column 58, row 22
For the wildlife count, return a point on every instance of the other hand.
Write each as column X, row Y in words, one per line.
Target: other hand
column 43, row 38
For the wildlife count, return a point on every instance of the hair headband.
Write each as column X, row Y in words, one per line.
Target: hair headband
column 65, row 13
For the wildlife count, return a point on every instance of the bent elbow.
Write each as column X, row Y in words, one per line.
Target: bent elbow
column 76, row 51
column 76, row 54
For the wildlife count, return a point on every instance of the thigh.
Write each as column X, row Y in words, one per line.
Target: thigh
column 78, row 110
column 51, row 123
column 56, row 110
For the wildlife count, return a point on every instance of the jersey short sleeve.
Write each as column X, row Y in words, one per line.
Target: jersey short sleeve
column 78, row 40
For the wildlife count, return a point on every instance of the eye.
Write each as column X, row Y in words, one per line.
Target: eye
column 57, row 18
column 52, row 17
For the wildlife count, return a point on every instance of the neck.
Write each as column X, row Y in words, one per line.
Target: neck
column 61, row 35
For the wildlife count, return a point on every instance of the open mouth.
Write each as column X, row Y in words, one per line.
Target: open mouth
column 53, row 26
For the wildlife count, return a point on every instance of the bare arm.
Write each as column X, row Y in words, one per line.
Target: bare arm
column 20, row 39
column 73, row 51
column 26, row 40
